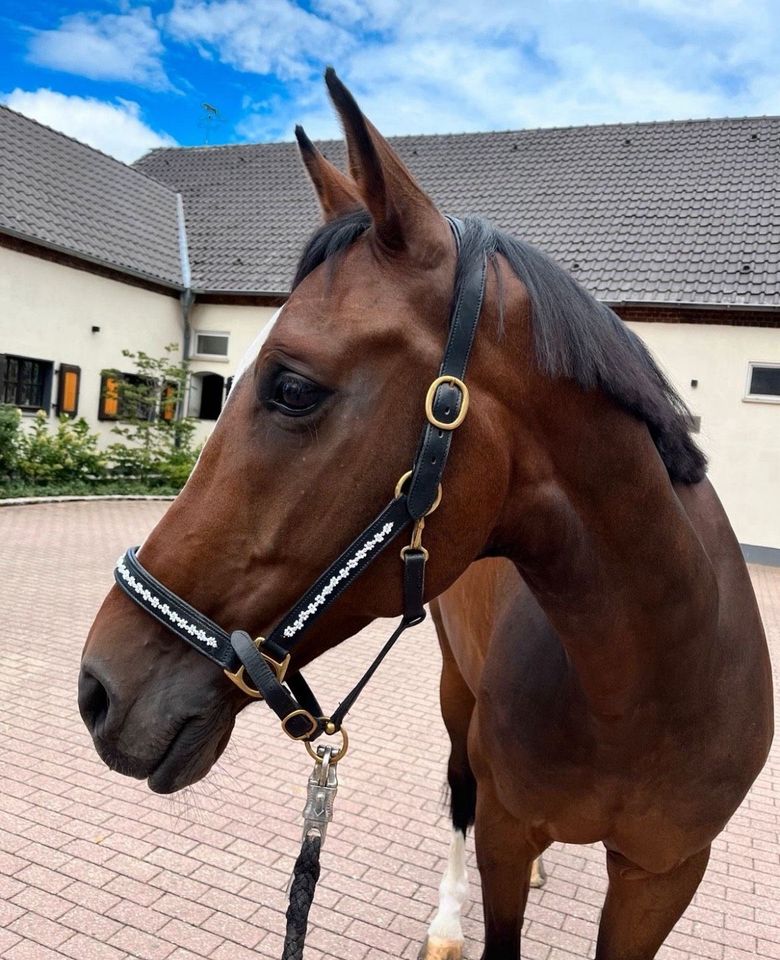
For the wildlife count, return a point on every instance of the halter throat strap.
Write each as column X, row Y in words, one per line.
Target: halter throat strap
column 266, row 660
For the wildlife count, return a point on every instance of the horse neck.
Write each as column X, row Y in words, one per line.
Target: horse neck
column 598, row 534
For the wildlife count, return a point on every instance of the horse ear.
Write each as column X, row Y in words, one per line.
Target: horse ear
column 405, row 218
column 335, row 191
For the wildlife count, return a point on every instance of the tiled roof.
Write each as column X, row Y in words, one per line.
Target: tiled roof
column 64, row 194
column 684, row 211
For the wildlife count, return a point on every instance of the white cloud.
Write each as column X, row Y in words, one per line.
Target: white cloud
column 124, row 46
column 114, row 128
column 460, row 65
column 258, row 36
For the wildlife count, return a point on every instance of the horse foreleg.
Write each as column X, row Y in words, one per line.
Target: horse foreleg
column 641, row 908
column 445, row 934
column 505, row 855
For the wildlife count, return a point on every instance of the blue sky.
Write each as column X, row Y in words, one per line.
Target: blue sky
column 128, row 76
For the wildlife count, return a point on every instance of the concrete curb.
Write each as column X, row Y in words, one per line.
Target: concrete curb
column 29, row 501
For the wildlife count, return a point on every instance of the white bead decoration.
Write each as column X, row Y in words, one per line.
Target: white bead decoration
column 192, row 629
column 342, row 574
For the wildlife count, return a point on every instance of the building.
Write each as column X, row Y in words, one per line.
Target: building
column 675, row 225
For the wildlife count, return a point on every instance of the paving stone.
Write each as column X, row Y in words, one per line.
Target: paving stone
column 92, row 865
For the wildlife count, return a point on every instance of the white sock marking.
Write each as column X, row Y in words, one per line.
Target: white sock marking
column 453, row 893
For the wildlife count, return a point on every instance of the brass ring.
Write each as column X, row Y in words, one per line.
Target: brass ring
column 410, row 547
column 399, row 489
column 464, row 404
column 335, row 757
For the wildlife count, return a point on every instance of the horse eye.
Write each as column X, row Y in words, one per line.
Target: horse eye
column 295, row 395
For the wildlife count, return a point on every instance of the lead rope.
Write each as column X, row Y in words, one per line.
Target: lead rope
column 304, row 882
column 317, row 814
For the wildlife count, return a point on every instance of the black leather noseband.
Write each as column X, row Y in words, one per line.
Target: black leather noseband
column 417, row 494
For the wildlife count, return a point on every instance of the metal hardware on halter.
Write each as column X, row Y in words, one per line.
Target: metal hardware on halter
column 279, row 668
column 416, row 541
column 335, row 755
column 321, row 792
column 419, row 525
column 313, row 728
column 431, row 396
column 399, row 489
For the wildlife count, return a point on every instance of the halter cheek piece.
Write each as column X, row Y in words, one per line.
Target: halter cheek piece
column 417, row 494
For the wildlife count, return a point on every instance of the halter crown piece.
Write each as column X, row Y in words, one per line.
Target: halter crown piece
column 265, row 661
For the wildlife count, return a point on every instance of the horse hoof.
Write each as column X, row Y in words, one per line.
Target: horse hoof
column 435, row 948
column 538, row 874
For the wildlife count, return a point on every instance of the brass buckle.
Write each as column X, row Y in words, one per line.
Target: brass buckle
column 399, row 488
column 280, row 669
column 464, row 404
column 314, row 726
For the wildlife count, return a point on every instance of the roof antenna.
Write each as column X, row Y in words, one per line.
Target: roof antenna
column 211, row 117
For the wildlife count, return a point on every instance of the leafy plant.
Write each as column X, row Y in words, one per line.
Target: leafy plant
column 159, row 445
column 70, row 453
column 10, row 419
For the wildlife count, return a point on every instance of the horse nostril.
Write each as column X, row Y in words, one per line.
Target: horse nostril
column 93, row 701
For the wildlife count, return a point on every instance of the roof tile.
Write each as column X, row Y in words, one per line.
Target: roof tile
column 63, row 193
column 664, row 211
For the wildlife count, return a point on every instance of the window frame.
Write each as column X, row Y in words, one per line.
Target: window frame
column 219, row 357
column 759, row 397
column 46, row 383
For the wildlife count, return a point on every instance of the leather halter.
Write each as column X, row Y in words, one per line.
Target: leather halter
column 417, row 494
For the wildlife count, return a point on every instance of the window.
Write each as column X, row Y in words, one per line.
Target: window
column 25, row 382
column 763, row 382
column 68, row 389
column 125, row 396
column 207, row 391
column 212, row 345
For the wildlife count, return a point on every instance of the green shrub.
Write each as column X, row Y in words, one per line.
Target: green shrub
column 157, row 447
column 69, row 454
column 10, row 419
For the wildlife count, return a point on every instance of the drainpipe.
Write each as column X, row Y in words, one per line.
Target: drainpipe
column 187, row 298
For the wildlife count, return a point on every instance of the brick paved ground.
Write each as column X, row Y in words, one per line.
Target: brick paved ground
column 94, row 866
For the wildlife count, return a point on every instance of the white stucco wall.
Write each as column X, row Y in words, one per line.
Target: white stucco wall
column 242, row 323
column 47, row 311
column 741, row 438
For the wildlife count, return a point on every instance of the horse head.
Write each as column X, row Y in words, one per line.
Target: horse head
column 316, row 433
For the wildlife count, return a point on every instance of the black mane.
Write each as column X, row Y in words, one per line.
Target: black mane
column 575, row 336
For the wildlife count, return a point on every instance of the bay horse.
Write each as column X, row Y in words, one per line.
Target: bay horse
column 605, row 672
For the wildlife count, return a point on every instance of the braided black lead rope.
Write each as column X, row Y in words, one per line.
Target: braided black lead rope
column 305, row 876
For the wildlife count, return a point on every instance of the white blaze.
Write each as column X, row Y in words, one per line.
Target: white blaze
column 453, row 893
column 256, row 346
